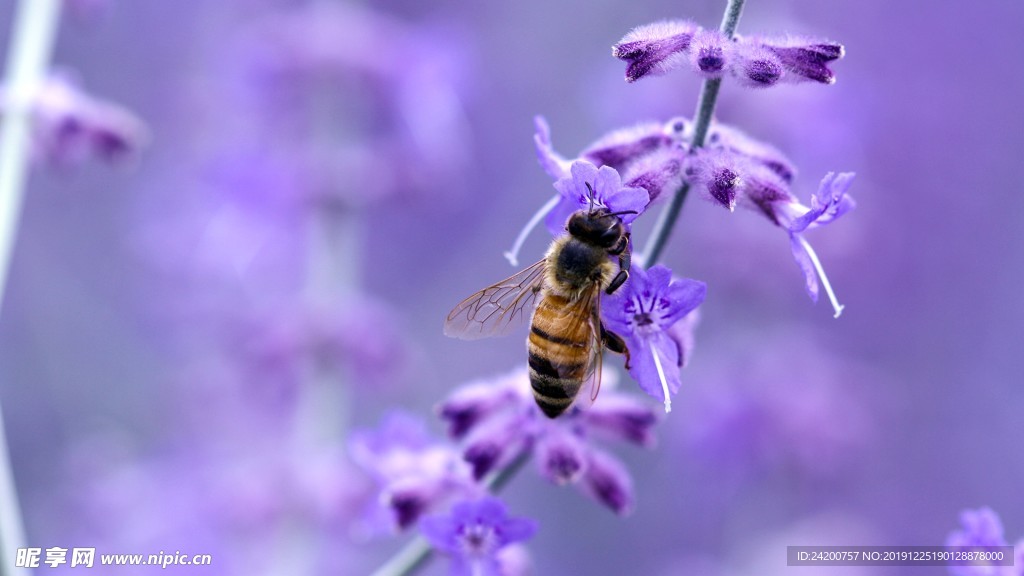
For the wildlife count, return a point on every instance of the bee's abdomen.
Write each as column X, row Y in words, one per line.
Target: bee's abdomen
column 559, row 354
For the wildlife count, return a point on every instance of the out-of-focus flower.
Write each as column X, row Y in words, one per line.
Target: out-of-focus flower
column 792, row 407
column 659, row 48
column 473, row 535
column 982, row 527
column 414, row 472
column 498, row 421
column 589, row 187
column 69, row 124
column 644, row 312
column 409, row 79
column 362, row 335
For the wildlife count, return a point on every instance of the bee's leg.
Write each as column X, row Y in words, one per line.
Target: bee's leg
column 625, row 256
column 615, row 343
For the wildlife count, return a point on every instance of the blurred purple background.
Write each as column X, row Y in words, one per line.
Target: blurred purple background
column 165, row 314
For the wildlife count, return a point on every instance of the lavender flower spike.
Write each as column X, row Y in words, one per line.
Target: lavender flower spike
column 643, row 313
column 473, row 535
column 655, row 48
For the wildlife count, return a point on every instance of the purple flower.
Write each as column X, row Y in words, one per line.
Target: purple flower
column 474, row 533
column 709, row 53
column 729, row 139
column 655, row 48
column 620, row 147
column 643, row 312
column 661, row 47
column 552, row 162
column 69, row 124
column 716, row 173
column 414, row 472
column 506, row 423
column 805, row 58
column 648, row 156
column 588, row 186
column 608, row 481
column 754, row 65
column 768, row 194
column 659, row 173
column 982, row 527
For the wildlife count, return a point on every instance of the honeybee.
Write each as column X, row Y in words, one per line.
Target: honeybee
column 567, row 339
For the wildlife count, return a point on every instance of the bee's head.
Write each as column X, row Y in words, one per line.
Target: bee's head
column 597, row 225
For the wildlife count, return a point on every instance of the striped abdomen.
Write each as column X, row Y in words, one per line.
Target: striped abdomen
column 559, row 346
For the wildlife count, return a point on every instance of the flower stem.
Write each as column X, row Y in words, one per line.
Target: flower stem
column 705, row 110
column 417, row 552
column 35, row 26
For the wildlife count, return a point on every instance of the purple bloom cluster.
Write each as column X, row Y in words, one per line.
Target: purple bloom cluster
column 414, row 472
column 755, row 61
column 70, row 125
column 982, row 527
column 497, row 421
column 423, row 481
column 731, row 169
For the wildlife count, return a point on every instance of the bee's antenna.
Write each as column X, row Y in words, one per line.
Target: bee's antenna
column 590, row 196
column 619, row 213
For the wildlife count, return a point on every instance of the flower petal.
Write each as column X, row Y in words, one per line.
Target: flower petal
column 561, row 455
column 803, row 260
column 608, row 481
column 552, row 162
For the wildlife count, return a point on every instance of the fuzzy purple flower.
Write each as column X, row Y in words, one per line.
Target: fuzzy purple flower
column 982, row 528
column 655, row 48
column 496, row 427
column 588, row 186
column 715, row 173
column 709, row 53
column 659, row 48
column 473, row 535
column 805, row 58
column 644, row 312
column 69, row 124
column 415, row 473
column 754, row 65
column 620, row 147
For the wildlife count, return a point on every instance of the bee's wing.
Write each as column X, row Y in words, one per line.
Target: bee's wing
column 597, row 350
column 497, row 309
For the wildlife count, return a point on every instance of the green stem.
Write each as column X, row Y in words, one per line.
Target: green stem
column 705, row 110
column 417, row 552
column 35, row 27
